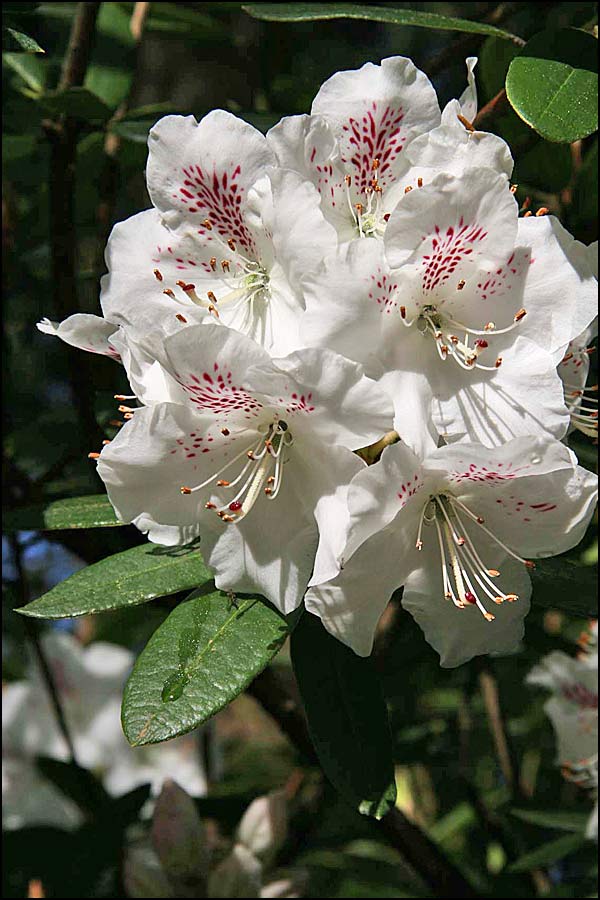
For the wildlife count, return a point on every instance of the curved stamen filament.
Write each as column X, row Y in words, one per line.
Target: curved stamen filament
column 583, row 408
column 431, row 321
column 262, row 458
column 466, row 578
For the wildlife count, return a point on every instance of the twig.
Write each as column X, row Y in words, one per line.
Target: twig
column 507, row 759
column 32, row 631
column 78, row 52
column 109, row 174
column 372, row 453
column 278, row 695
column 495, row 107
column 138, row 20
column 505, row 752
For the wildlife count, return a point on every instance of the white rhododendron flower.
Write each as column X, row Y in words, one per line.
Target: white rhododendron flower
column 231, row 238
column 456, row 529
column 464, row 296
column 376, row 132
column 246, row 457
column 89, row 681
column 573, row 711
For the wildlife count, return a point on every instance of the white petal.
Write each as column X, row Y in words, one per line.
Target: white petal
column 374, row 111
column 351, row 604
column 354, row 286
column 307, row 145
column 452, row 149
column 451, row 226
column 524, row 396
column 211, row 362
column 561, row 295
column 160, row 450
column 530, row 491
column 272, row 551
column 145, row 259
column 324, row 394
column 378, row 493
column 202, row 170
column 460, row 634
column 468, row 99
column 87, row 332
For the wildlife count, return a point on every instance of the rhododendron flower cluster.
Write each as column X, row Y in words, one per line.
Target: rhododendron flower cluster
column 354, row 361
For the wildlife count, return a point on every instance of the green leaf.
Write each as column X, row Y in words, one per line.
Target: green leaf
column 77, row 103
column 20, row 41
column 347, row 717
column 548, row 853
column 94, row 511
column 32, row 69
column 125, row 579
column 206, row 653
column 308, row 12
column 554, row 818
column 553, row 84
column 559, row 583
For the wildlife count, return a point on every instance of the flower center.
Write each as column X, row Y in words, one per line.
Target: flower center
column 240, row 280
column 260, row 473
column 369, row 218
column 467, row 580
column 431, row 321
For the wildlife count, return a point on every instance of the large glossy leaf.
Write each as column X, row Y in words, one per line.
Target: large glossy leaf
column 548, row 853
column 94, row 511
column 559, row 583
column 553, row 84
column 347, row 717
column 308, row 12
column 206, row 652
column 557, row 819
column 125, row 579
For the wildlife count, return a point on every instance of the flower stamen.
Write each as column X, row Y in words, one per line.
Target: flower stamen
column 264, row 464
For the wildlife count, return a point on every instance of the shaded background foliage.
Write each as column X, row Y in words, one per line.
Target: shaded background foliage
column 458, row 776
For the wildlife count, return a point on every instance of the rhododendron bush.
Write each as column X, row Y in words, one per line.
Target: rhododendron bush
column 334, row 388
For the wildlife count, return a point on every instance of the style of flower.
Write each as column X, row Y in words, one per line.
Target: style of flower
column 573, row 711
column 374, row 134
column 89, row 681
column 245, row 455
column 230, row 238
column 478, row 303
column 457, row 530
